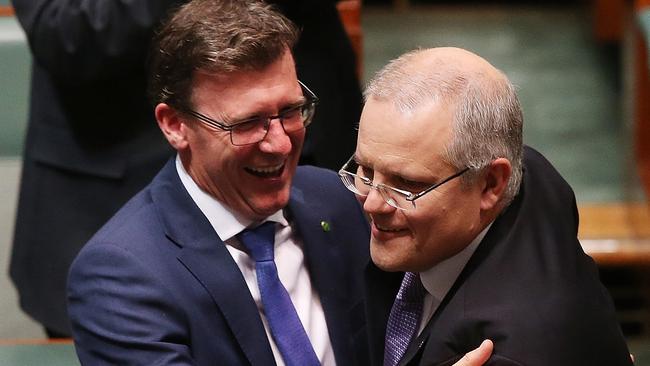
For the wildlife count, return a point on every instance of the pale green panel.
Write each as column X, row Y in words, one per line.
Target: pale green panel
column 15, row 61
column 38, row 355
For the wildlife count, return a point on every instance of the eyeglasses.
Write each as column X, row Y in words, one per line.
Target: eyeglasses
column 253, row 130
column 352, row 176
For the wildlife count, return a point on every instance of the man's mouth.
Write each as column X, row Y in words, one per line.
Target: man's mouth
column 387, row 229
column 266, row 172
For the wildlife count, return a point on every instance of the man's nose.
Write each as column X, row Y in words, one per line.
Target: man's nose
column 276, row 140
column 374, row 203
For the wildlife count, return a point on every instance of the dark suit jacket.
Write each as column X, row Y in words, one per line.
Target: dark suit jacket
column 326, row 62
column 156, row 285
column 529, row 287
column 92, row 141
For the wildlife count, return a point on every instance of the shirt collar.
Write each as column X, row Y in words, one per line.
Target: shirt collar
column 226, row 222
column 438, row 279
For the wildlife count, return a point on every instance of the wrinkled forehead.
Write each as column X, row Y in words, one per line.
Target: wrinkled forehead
column 420, row 135
column 383, row 119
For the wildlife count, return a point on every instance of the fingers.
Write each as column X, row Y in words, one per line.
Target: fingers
column 478, row 356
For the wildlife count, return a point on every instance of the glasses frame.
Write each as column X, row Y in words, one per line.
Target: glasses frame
column 408, row 196
column 310, row 98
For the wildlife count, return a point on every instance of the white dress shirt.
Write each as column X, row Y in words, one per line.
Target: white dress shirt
column 438, row 279
column 289, row 259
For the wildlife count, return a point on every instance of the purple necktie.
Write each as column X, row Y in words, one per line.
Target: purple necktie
column 286, row 328
column 404, row 318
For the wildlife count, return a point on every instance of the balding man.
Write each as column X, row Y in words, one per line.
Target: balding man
column 473, row 236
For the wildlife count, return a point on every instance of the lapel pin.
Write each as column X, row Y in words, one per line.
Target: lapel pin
column 325, row 225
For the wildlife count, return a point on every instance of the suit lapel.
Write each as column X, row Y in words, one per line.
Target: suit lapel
column 206, row 257
column 322, row 254
column 218, row 273
column 381, row 289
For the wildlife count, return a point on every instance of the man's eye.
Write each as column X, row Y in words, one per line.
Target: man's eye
column 366, row 172
column 292, row 112
column 249, row 124
column 411, row 185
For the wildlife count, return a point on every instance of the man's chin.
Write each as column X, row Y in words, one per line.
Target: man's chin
column 384, row 260
column 268, row 208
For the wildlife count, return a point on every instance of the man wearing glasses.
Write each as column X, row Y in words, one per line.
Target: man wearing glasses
column 467, row 241
column 213, row 262
column 232, row 255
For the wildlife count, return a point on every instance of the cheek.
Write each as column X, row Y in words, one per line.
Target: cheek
column 232, row 155
column 425, row 232
column 431, row 230
column 426, row 219
column 297, row 139
column 226, row 165
column 210, row 147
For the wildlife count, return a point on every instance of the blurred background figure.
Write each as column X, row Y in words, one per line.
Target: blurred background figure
column 92, row 142
column 327, row 63
column 91, row 139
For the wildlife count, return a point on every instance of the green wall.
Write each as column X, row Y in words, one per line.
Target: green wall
column 15, row 63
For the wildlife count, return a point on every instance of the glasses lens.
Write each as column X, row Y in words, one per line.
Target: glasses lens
column 353, row 178
column 248, row 132
column 293, row 119
column 394, row 198
column 308, row 111
column 348, row 180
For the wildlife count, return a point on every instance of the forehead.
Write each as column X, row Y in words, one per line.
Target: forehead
column 247, row 90
column 393, row 141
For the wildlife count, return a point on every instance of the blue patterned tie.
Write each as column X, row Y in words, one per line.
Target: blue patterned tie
column 286, row 328
column 404, row 318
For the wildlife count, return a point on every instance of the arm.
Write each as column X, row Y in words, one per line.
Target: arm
column 122, row 314
column 89, row 40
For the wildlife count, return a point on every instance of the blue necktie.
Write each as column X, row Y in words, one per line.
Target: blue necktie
column 404, row 318
column 286, row 328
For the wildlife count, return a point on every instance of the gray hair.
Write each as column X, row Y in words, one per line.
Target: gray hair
column 218, row 37
column 487, row 122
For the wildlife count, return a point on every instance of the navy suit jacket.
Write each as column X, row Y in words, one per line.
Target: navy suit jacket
column 529, row 287
column 156, row 285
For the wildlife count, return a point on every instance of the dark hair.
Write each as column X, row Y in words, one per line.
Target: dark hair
column 218, row 37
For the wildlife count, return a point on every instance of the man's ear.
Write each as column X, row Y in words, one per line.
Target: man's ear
column 172, row 126
column 497, row 175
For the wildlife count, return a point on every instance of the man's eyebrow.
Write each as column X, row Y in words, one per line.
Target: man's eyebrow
column 242, row 117
column 359, row 161
column 295, row 103
column 401, row 172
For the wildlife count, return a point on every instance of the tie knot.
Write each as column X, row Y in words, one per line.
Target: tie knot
column 259, row 241
column 411, row 289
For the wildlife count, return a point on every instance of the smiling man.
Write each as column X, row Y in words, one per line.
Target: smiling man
column 473, row 236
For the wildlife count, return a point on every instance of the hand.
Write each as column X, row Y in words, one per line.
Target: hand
column 478, row 356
